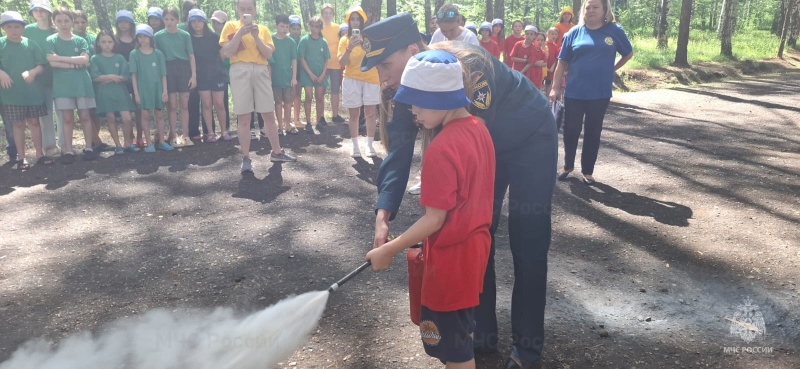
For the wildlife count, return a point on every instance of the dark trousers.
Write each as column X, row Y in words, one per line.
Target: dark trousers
column 11, row 148
column 528, row 173
column 196, row 120
column 580, row 113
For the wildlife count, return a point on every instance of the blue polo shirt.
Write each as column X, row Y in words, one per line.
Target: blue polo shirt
column 591, row 55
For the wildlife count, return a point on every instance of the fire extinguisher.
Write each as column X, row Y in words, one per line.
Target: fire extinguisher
column 416, row 268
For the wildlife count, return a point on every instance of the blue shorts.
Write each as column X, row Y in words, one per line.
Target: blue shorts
column 447, row 335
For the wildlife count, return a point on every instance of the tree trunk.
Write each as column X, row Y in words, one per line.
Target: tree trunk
column 391, row 7
column 657, row 18
column 795, row 28
column 682, row 54
column 500, row 12
column 428, row 14
column 663, row 34
column 373, row 10
column 727, row 24
column 576, row 9
column 777, row 19
column 489, row 11
column 437, row 5
column 538, row 21
column 101, row 12
column 787, row 21
column 276, row 8
column 307, row 10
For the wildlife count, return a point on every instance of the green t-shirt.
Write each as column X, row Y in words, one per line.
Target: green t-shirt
column 39, row 36
column 174, row 46
column 183, row 26
column 70, row 82
column 316, row 53
column 15, row 58
column 111, row 97
column 281, row 61
column 149, row 69
column 91, row 40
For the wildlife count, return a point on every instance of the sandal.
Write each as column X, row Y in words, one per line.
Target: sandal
column 68, row 158
column 23, row 164
column 45, row 160
column 293, row 130
column 211, row 137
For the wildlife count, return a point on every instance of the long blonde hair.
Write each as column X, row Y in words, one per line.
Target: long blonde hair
column 472, row 59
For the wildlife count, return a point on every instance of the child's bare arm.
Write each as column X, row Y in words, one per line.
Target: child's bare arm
column 431, row 222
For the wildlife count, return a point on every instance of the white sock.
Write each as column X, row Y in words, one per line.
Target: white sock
column 369, row 141
column 355, row 142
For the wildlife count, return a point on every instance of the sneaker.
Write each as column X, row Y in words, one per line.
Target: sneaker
column 150, row 148
column 415, row 189
column 309, row 128
column 321, row 122
column 371, row 153
column 89, row 154
column 211, row 137
column 356, row 153
column 51, row 152
column 338, row 119
column 176, row 142
column 247, row 165
column 68, row 158
column 165, row 146
column 119, row 150
column 515, row 362
column 281, row 157
column 103, row 147
column 131, row 148
column 187, row 142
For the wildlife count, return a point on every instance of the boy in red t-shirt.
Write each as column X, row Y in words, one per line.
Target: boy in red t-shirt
column 539, row 61
column 485, row 31
column 552, row 57
column 457, row 191
column 528, row 58
column 511, row 40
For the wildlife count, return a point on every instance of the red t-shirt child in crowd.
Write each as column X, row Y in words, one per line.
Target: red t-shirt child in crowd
column 552, row 58
column 457, row 193
column 512, row 39
column 485, row 32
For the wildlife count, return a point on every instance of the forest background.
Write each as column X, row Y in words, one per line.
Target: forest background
column 664, row 32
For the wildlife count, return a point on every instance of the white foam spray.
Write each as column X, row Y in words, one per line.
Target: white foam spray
column 198, row 340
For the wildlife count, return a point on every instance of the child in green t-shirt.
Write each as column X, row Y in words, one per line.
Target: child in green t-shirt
column 314, row 54
column 110, row 74
column 284, row 73
column 176, row 45
column 68, row 55
column 294, row 33
column 21, row 62
column 38, row 32
column 149, row 76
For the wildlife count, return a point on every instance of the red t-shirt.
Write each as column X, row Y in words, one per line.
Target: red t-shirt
column 535, row 74
column 458, row 176
column 491, row 47
column 508, row 47
column 552, row 57
column 521, row 51
column 498, row 41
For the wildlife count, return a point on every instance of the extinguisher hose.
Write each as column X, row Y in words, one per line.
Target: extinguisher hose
column 349, row 276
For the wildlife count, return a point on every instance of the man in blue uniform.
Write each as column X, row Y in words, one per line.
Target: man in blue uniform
column 524, row 134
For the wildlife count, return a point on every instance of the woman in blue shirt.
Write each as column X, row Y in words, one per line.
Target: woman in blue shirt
column 589, row 51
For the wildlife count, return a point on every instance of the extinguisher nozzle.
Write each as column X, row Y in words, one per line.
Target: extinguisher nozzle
column 350, row 275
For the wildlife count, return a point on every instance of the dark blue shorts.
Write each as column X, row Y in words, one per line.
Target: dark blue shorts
column 447, row 335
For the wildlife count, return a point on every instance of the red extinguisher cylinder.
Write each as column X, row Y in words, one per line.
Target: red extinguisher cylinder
column 416, row 268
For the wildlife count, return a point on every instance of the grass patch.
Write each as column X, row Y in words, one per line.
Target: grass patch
column 704, row 46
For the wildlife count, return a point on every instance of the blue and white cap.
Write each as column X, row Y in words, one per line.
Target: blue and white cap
column 497, row 21
column 433, row 79
column 344, row 27
column 155, row 12
column 197, row 14
column 471, row 26
column 124, row 16
column 11, row 17
column 485, row 26
column 294, row 19
column 144, row 29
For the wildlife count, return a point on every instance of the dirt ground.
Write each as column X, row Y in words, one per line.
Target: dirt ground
column 692, row 227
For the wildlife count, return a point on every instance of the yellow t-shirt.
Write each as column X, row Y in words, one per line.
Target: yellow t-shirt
column 353, row 68
column 248, row 51
column 331, row 34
